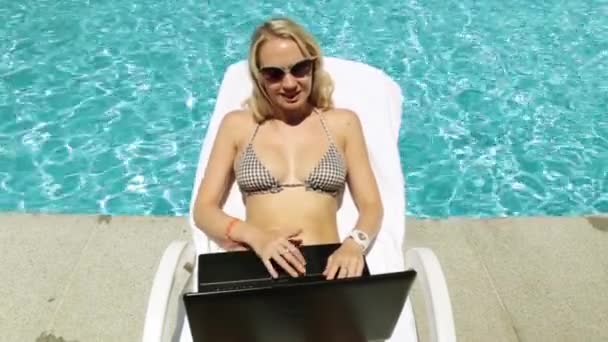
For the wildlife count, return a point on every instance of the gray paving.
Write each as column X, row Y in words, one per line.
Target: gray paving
column 86, row 278
column 523, row 279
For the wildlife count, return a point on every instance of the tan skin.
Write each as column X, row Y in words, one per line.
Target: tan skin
column 289, row 145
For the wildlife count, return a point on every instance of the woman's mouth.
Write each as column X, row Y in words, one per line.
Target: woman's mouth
column 292, row 97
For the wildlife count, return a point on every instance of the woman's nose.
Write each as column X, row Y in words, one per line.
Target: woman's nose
column 289, row 81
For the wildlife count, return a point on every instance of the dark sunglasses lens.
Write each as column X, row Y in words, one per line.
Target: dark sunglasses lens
column 272, row 74
column 302, row 68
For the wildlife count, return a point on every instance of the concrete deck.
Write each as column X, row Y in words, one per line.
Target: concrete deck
column 87, row 278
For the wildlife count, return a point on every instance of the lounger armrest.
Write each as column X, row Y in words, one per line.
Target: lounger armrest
column 161, row 290
column 435, row 293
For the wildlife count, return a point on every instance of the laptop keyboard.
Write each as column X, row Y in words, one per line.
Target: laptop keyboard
column 243, row 270
column 257, row 283
column 233, row 286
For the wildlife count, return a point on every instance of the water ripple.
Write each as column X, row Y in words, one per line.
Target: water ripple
column 103, row 105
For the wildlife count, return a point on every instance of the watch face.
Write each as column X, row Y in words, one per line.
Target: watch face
column 361, row 236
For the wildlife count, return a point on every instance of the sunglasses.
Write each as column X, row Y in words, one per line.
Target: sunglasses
column 276, row 74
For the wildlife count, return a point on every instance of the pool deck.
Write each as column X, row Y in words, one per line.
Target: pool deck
column 87, row 278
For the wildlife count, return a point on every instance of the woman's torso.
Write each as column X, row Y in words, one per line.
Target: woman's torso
column 292, row 176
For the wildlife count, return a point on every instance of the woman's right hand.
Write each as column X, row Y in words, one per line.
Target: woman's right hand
column 277, row 245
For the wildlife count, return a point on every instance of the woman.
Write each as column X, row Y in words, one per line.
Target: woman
column 291, row 153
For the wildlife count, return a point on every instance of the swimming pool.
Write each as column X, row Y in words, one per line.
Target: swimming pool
column 103, row 105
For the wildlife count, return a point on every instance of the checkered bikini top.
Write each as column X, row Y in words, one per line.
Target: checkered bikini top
column 328, row 176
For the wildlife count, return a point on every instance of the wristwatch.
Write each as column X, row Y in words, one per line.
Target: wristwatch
column 360, row 237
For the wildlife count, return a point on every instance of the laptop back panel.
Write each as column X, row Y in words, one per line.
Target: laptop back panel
column 352, row 309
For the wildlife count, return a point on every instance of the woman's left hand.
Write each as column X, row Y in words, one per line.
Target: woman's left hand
column 345, row 262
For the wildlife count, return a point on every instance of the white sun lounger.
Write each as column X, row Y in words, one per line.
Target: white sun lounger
column 377, row 99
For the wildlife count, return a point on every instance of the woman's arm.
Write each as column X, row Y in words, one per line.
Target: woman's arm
column 347, row 261
column 216, row 183
column 360, row 178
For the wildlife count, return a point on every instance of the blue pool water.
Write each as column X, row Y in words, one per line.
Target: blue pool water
column 103, row 104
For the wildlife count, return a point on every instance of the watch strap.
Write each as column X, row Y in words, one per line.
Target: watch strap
column 360, row 237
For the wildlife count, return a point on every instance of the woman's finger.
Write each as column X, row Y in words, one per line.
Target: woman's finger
column 360, row 265
column 295, row 242
column 270, row 268
column 293, row 260
column 284, row 264
column 343, row 273
column 295, row 251
column 353, row 268
column 330, row 269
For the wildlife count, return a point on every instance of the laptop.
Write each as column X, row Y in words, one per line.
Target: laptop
column 256, row 307
column 244, row 269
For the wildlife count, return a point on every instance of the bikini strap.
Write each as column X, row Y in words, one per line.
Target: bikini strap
column 255, row 132
column 329, row 136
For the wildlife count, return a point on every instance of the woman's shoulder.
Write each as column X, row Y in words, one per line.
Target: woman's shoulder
column 238, row 117
column 237, row 120
column 342, row 119
column 236, row 125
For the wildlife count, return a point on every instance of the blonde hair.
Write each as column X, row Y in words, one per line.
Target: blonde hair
column 322, row 86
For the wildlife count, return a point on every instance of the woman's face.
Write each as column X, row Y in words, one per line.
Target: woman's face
column 286, row 73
